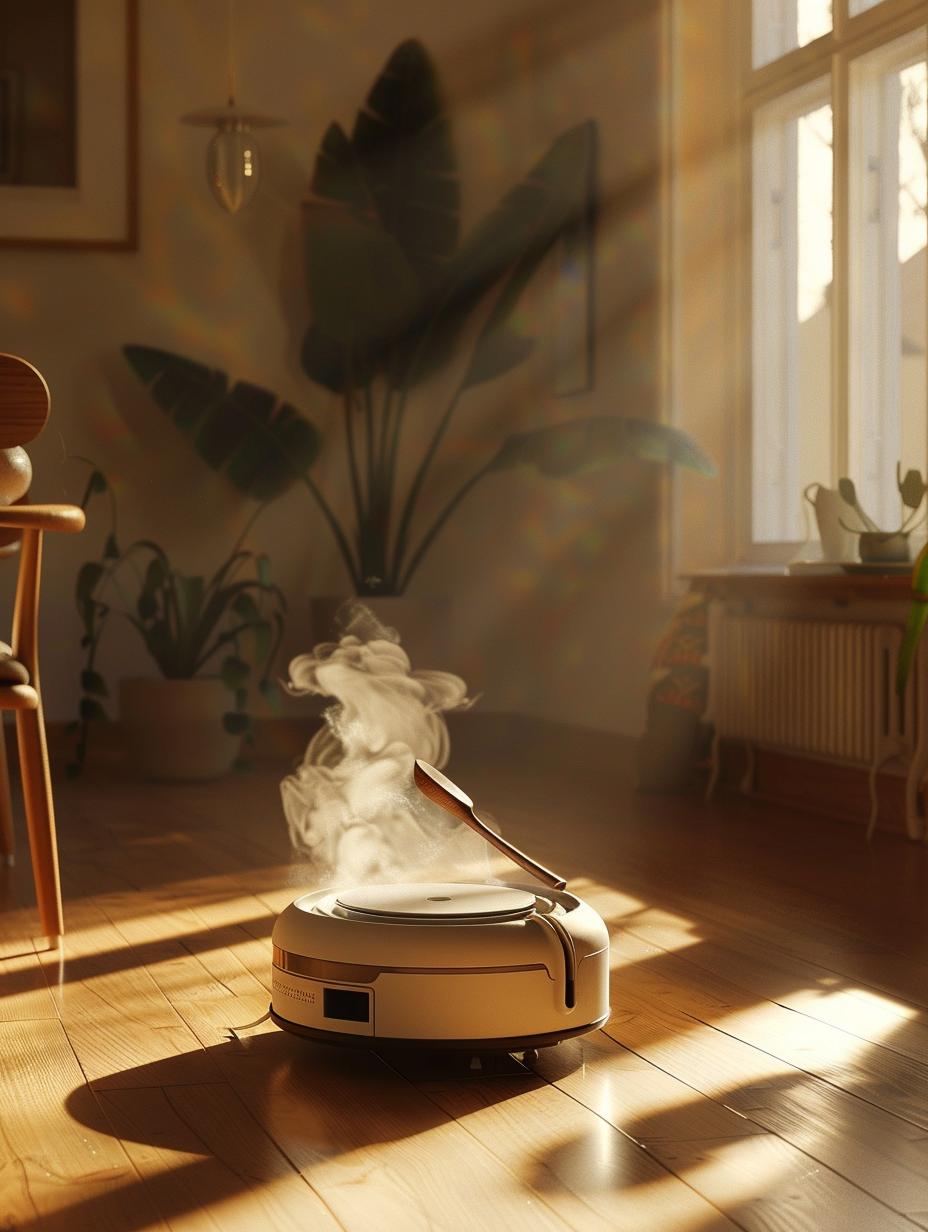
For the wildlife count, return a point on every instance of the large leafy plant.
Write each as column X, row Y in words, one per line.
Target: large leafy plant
column 396, row 294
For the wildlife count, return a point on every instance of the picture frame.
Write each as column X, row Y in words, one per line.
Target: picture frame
column 99, row 210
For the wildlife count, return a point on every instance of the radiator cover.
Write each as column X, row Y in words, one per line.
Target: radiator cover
column 822, row 689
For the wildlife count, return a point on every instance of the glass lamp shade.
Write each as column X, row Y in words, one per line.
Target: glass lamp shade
column 232, row 166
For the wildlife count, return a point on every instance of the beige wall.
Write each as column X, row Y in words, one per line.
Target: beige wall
column 555, row 585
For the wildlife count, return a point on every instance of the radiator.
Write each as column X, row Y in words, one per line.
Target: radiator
column 823, row 689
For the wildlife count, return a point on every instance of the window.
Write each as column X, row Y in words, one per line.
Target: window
column 838, row 132
column 781, row 25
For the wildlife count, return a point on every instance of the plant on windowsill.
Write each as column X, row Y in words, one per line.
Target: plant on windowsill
column 397, row 296
column 887, row 546
column 190, row 723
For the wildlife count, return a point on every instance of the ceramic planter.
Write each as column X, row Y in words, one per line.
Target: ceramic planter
column 883, row 546
column 174, row 728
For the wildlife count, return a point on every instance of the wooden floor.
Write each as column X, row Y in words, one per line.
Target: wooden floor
column 765, row 1067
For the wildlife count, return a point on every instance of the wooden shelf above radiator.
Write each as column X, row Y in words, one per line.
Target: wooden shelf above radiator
column 837, row 588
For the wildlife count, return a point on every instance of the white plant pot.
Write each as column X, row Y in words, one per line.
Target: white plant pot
column 174, row 728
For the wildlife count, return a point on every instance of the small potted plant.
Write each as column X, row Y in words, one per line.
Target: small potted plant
column 885, row 546
column 208, row 637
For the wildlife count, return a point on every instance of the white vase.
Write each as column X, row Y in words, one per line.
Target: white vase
column 175, row 730
column 422, row 623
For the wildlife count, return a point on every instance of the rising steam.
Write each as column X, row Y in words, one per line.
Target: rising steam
column 350, row 805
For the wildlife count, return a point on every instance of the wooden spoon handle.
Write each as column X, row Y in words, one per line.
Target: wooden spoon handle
column 531, row 866
column 431, row 783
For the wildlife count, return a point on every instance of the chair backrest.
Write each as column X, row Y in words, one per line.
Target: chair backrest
column 24, row 406
column 24, row 401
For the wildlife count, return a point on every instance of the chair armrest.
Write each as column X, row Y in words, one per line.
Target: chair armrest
column 42, row 517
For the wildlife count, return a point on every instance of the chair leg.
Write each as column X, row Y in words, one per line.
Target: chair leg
column 40, row 818
column 7, row 842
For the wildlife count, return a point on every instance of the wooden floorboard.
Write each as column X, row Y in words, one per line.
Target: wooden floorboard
column 765, row 1066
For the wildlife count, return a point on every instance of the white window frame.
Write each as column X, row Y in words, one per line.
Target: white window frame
column 874, row 386
column 775, row 437
column 855, row 34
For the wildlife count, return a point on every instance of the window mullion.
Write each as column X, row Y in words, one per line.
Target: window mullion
column 840, row 320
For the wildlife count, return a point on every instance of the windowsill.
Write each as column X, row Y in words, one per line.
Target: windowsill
column 770, row 582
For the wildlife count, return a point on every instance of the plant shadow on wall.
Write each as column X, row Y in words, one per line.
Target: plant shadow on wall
column 396, row 297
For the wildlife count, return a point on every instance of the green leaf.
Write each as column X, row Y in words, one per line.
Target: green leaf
column 847, row 491
column 260, row 444
column 493, row 353
column 508, row 244
column 234, row 672
column 263, row 569
column 154, row 575
column 338, row 174
column 361, row 286
column 91, row 711
column 403, row 141
column 89, row 577
column 146, row 605
column 329, row 362
column 236, row 724
column 912, row 489
column 190, row 591
column 243, row 605
column 918, row 614
column 584, row 444
column 93, row 682
column 111, row 549
column 263, row 640
column 95, row 484
column 270, row 691
column 497, row 352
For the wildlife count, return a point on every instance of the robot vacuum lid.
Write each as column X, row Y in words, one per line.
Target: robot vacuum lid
column 438, row 900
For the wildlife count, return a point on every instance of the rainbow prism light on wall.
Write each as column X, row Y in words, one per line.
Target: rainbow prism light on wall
column 233, row 160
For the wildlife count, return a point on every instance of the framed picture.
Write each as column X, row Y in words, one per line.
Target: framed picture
column 68, row 124
column 573, row 290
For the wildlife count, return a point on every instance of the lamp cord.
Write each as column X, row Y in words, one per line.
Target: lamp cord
column 232, row 53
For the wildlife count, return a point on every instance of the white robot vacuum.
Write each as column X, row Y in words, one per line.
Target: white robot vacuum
column 443, row 965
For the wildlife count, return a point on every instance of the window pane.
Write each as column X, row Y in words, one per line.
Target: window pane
column 781, row 25
column 860, row 6
column 792, row 258
column 889, row 201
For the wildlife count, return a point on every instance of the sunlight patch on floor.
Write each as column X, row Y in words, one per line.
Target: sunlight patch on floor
column 612, row 904
column 879, row 1001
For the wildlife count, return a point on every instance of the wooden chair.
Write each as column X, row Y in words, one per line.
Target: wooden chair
column 24, row 407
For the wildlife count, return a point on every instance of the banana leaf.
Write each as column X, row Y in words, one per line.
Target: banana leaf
column 565, row 449
column 330, row 363
column 402, row 138
column 338, row 174
column 361, row 286
column 262, row 445
column 497, row 352
column 497, row 338
column 510, row 240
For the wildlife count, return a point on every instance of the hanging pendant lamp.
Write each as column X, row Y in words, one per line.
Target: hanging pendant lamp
column 233, row 160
